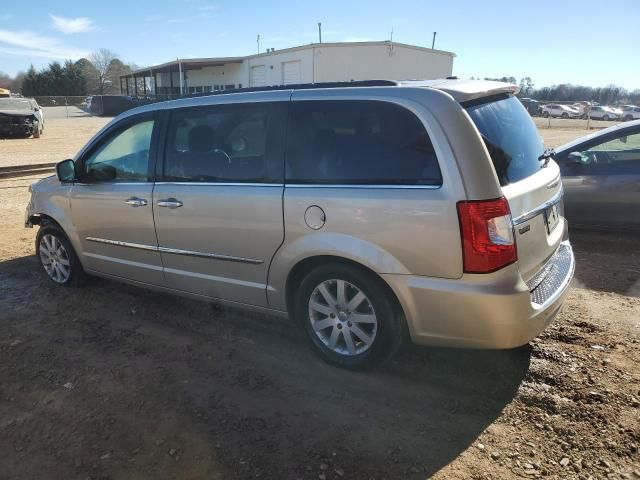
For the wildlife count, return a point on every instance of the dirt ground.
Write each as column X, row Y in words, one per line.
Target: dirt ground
column 115, row 382
column 62, row 137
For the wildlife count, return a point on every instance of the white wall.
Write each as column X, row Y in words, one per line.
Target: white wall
column 362, row 62
column 332, row 63
column 229, row 74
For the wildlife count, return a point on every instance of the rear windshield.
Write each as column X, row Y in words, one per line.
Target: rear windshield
column 511, row 137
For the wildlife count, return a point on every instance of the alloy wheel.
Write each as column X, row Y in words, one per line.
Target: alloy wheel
column 55, row 258
column 342, row 317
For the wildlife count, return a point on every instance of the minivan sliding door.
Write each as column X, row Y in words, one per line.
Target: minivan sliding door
column 218, row 206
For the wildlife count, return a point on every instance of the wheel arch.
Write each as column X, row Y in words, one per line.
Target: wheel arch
column 306, row 265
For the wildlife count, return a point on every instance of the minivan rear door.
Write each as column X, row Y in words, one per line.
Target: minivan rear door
column 529, row 180
column 218, row 202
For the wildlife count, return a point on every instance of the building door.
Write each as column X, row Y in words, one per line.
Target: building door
column 291, row 73
column 258, row 76
column 218, row 208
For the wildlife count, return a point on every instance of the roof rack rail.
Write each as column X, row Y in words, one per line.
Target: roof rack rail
column 301, row 86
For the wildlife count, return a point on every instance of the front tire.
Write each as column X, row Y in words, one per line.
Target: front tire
column 605, row 118
column 36, row 129
column 349, row 316
column 565, row 115
column 58, row 258
column 545, row 114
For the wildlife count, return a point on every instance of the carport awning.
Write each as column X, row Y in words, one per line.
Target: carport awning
column 186, row 64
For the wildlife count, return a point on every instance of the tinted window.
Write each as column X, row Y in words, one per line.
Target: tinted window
column 123, row 156
column 615, row 156
column 226, row 143
column 511, row 137
column 359, row 142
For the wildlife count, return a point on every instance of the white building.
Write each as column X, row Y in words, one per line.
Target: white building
column 313, row 63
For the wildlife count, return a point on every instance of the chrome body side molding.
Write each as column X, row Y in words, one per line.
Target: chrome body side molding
column 176, row 251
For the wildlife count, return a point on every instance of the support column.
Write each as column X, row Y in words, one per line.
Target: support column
column 170, row 81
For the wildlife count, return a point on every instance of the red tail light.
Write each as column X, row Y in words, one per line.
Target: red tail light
column 487, row 235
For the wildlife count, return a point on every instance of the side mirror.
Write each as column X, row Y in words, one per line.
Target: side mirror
column 66, row 171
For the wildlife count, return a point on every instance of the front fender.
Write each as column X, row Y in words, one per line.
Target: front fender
column 50, row 198
column 332, row 244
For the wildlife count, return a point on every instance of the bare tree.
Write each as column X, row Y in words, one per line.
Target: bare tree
column 102, row 61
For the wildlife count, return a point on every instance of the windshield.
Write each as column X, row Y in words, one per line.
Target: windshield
column 14, row 104
column 511, row 137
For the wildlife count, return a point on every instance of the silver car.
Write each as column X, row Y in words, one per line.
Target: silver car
column 362, row 211
column 601, row 177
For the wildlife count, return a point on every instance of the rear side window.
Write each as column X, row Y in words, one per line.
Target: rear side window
column 511, row 137
column 226, row 143
column 358, row 142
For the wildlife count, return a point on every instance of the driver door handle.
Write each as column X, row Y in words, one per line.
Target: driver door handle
column 169, row 203
column 136, row 202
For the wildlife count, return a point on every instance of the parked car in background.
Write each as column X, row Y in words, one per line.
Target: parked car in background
column 20, row 117
column 601, row 178
column 631, row 113
column 559, row 111
column 454, row 230
column 39, row 112
column 617, row 111
column 600, row 112
column 532, row 106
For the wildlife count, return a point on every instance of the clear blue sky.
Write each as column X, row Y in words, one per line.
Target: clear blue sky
column 593, row 42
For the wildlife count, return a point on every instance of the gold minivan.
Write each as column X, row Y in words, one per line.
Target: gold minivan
column 361, row 210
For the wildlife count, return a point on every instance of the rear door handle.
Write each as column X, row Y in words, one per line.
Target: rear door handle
column 169, row 203
column 136, row 202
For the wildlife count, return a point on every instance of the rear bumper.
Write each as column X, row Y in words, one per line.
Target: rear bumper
column 497, row 310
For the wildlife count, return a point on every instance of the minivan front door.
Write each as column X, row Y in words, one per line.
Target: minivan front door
column 111, row 204
column 218, row 208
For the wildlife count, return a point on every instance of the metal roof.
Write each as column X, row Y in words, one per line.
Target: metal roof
column 191, row 63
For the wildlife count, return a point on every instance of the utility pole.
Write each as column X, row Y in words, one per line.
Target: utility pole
column 433, row 42
column 320, row 32
column 258, row 40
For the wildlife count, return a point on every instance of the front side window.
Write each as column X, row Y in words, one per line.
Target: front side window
column 617, row 156
column 226, row 143
column 123, row 157
column 359, row 142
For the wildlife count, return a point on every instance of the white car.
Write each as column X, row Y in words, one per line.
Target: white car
column 616, row 110
column 603, row 113
column 38, row 111
column 631, row 113
column 562, row 111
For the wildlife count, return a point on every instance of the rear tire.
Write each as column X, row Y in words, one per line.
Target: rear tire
column 349, row 316
column 628, row 118
column 58, row 258
column 605, row 118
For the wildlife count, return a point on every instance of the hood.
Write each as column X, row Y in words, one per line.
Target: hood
column 16, row 113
